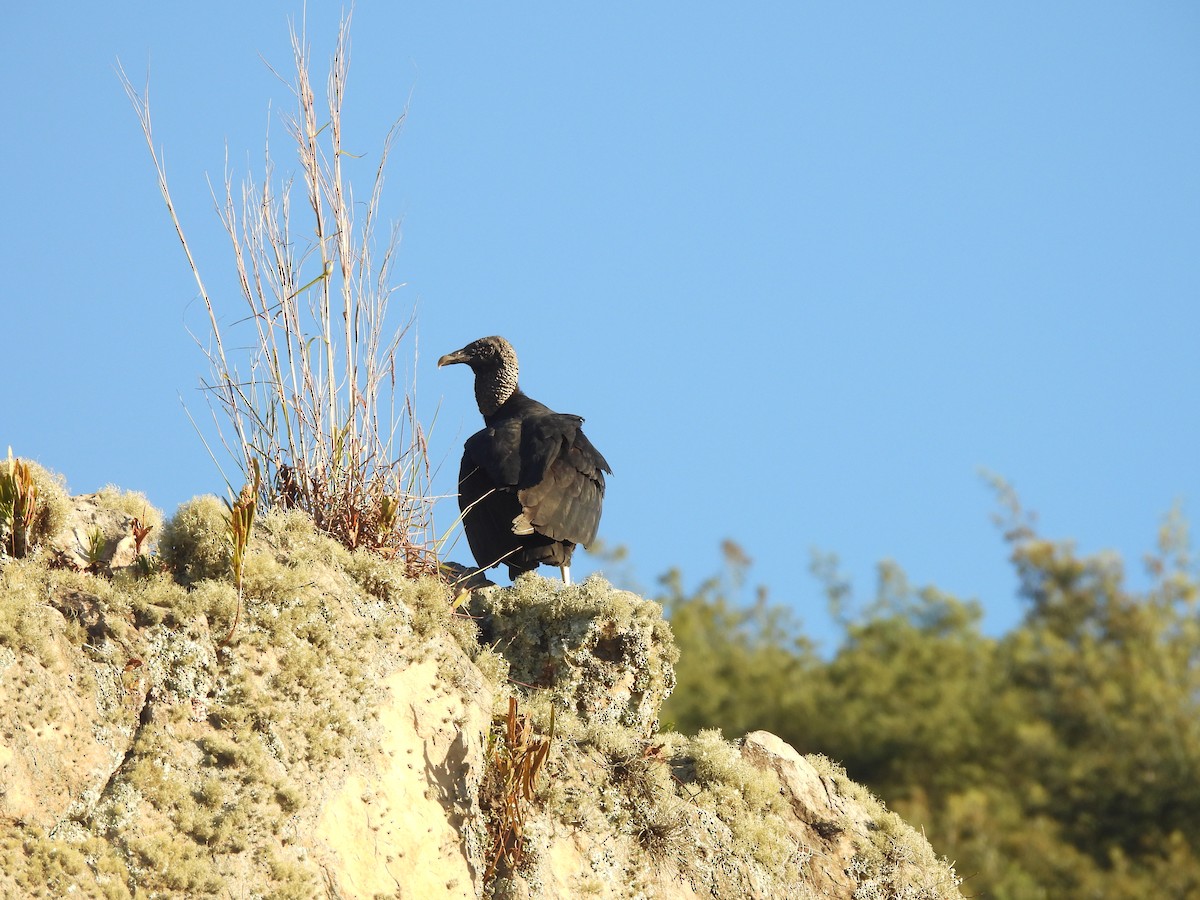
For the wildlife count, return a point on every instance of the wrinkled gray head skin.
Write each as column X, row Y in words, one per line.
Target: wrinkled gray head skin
column 494, row 362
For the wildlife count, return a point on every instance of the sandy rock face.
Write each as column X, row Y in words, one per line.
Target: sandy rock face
column 65, row 726
column 332, row 747
column 98, row 530
column 396, row 826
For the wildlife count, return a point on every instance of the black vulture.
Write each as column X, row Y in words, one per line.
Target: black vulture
column 531, row 485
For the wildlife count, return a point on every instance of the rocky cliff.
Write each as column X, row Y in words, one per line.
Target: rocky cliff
column 361, row 735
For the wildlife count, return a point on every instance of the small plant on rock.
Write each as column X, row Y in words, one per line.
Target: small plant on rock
column 145, row 562
column 93, row 550
column 18, row 506
column 241, row 526
column 515, row 759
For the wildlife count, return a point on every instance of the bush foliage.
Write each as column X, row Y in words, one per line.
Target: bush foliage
column 1059, row 760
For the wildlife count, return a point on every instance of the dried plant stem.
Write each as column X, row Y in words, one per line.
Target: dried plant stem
column 317, row 403
column 515, row 758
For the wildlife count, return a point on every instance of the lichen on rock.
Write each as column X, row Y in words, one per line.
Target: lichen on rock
column 604, row 654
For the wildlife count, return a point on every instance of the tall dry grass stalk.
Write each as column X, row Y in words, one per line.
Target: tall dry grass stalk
column 317, row 403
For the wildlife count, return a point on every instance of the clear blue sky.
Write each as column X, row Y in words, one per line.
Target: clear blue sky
column 803, row 268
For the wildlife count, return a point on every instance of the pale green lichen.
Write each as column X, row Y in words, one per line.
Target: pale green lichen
column 605, row 654
column 24, row 622
column 492, row 666
column 747, row 799
column 195, row 541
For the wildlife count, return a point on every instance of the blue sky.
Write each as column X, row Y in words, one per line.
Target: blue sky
column 803, row 268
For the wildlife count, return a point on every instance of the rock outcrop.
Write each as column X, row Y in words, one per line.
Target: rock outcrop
column 357, row 736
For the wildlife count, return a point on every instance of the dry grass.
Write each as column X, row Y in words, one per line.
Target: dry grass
column 318, row 403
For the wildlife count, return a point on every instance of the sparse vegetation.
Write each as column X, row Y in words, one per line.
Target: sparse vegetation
column 317, row 407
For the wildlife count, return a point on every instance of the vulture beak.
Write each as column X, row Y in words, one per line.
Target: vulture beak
column 458, row 356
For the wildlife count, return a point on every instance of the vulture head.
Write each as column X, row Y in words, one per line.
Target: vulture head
column 494, row 362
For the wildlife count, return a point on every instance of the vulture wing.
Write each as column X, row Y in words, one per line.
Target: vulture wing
column 562, row 481
column 536, row 475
